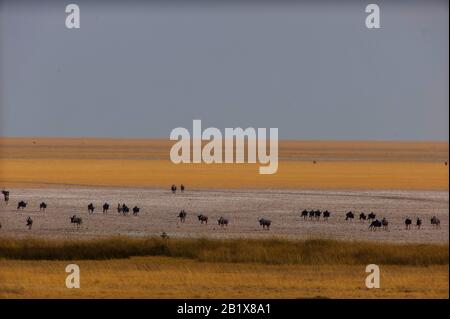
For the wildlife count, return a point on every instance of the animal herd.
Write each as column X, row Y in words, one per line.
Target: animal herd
column 312, row 215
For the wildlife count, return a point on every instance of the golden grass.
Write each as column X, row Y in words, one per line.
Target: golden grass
column 165, row 277
column 205, row 268
column 265, row 251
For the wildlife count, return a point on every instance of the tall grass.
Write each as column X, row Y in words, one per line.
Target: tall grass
column 267, row 251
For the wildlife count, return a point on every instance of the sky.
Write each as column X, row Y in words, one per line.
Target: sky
column 313, row 70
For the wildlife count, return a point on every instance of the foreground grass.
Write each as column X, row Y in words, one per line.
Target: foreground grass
column 267, row 251
column 168, row 277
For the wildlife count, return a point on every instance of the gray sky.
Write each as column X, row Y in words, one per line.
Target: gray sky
column 313, row 71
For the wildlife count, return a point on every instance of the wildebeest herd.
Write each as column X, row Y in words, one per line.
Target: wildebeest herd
column 311, row 215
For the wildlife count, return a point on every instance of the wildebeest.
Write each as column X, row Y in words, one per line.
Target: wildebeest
column 385, row 223
column 42, row 206
column 265, row 223
column 374, row 225
column 326, row 215
column 362, row 217
column 5, row 196
column 21, row 205
column 418, row 222
column 371, row 216
column 311, row 214
column 222, row 222
column 182, row 188
column 317, row 214
column 123, row 209
column 105, row 207
column 173, row 188
column 435, row 222
column 349, row 215
column 164, row 235
column 202, row 218
column 408, row 223
column 182, row 216
column 135, row 210
column 91, row 208
column 76, row 220
column 304, row 214
column 29, row 222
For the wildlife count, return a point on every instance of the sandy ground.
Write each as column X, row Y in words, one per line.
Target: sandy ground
column 159, row 210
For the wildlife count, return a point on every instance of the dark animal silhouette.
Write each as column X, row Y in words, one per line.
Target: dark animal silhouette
column 371, row 216
column 21, row 205
column 135, row 210
column 182, row 188
column 362, row 217
column 203, row 219
column 385, row 223
column 29, row 222
column 182, row 216
column 265, row 223
column 5, row 196
column 76, row 220
column 418, row 223
column 222, row 222
column 124, row 209
column 304, row 214
column 349, row 215
column 317, row 214
column 435, row 222
column 42, row 206
column 173, row 188
column 164, row 235
column 91, row 208
column 105, row 207
column 408, row 223
column 374, row 225
column 326, row 215
column 311, row 214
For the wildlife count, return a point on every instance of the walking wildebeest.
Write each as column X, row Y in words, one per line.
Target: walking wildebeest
column 105, row 207
column 408, row 223
column 182, row 216
column 311, row 214
column 29, row 222
column 362, row 216
column 21, row 205
column 123, row 209
column 202, row 218
column 164, row 235
column 265, row 223
column 135, row 210
column 222, row 221
column 376, row 224
column 5, row 196
column 326, row 215
column 91, row 208
column 42, row 206
column 418, row 222
column 371, row 216
column 76, row 220
column 435, row 222
column 304, row 214
column 349, row 215
column 385, row 223
column 317, row 214
column 173, row 188
column 182, row 188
